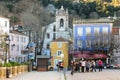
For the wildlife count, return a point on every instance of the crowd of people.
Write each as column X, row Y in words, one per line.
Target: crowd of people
column 85, row 66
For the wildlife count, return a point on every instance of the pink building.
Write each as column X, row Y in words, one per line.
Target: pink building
column 18, row 44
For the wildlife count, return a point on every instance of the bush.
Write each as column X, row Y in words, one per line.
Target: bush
column 26, row 63
column 13, row 63
column 7, row 65
column 0, row 64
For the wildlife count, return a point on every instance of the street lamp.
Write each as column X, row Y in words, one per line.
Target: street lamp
column 7, row 41
column 62, row 56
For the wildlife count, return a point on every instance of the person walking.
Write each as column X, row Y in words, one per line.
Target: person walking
column 72, row 67
column 100, row 65
column 83, row 65
column 87, row 65
column 93, row 65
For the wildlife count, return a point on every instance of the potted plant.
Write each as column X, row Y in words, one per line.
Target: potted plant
column 18, row 68
column 14, row 68
column 26, row 66
column 2, row 71
column 8, row 69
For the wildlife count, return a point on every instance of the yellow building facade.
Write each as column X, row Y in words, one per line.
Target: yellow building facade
column 59, row 52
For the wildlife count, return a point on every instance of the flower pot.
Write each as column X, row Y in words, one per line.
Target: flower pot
column 14, row 70
column 18, row 69
column 2, row 72
column 8, row 72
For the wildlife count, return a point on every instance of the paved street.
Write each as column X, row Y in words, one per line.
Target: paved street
column 54, row 75
column 34, row 75
column 104, row 75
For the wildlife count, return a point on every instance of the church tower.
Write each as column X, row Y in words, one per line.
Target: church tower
column 61, row 19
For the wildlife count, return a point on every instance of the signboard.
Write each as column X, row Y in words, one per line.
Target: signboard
column 31, row 55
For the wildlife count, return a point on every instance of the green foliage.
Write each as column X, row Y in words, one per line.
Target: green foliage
column 7, row 65
column 2, row 44
column 14, row 19
column 18, row 64
column 14, row 63
column 10, row 7
column 26, row 63
column 0, row 64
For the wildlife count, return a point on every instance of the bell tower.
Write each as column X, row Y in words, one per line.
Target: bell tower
column 62, row 19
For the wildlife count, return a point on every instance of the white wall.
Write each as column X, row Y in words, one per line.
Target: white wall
column 4, row 25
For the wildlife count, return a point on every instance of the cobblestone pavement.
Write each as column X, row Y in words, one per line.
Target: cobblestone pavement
column 108, row 74
column 34, row 75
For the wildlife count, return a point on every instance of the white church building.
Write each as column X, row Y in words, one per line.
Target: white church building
column 59, row 28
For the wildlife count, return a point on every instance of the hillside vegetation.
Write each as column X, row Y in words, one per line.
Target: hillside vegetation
column 33, row 13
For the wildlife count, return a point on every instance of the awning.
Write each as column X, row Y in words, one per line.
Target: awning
column 79, row 52
column 99, row 55
column 87, row 55
column 24, row 51
column 84, row 55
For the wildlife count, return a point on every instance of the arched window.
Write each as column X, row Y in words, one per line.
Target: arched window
column 54, row 28
column 61, row 22
column 48, row 35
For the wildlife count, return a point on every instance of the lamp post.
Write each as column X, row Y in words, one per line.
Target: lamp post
column 62, row 56
column 7, row 41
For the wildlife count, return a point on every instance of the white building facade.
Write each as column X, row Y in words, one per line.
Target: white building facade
column 4, row 25
column 4, row 31
column 57, row 29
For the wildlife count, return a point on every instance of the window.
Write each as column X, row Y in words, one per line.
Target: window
column 5, row 23
column 80, row 31
column 96, row 30
column 105, row 30
column 88, row 30
column 18, row 39
column 59, row 52
column 54, row 28
column 54, row 36
column 17, row 47
column 61, row 22
column 22, row 39
column 48, row 35
column 59, row 45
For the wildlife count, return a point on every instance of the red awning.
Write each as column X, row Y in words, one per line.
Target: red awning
column 84, row 55
column 87, row 54
column 99, row 55
column 79, row 52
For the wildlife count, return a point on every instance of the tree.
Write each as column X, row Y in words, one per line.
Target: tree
column 3, row 10
column 36, row 17
column 93, row 15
